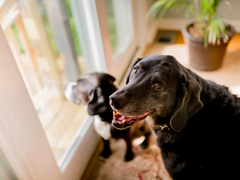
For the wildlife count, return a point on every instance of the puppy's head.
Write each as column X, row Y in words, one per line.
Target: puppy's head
column 158, row 87
column 92, row 90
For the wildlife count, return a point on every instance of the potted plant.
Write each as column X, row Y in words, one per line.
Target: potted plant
column 207, row 37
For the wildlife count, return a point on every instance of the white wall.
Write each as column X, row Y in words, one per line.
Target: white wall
column 173, row 20
column 229, row 12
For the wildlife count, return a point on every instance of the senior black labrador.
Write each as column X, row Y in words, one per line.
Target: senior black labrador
column 196, row 121
column 94, row 90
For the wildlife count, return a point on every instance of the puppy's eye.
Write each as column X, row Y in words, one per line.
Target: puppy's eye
column 135, row 69
column 157, row 86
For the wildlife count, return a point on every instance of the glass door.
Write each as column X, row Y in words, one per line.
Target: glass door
column 49, row 55
column 46, row 51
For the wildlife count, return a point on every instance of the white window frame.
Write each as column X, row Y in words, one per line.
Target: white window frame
column 86, row 20
column 117, row 68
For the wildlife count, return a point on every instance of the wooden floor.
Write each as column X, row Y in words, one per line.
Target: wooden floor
column 61, row 120
column 234, row 44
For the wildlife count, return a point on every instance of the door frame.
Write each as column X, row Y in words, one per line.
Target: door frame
column 22, row 137
column 117, row 67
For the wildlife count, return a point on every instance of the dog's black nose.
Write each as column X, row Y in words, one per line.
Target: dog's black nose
column 117, row 100
column 112, row 102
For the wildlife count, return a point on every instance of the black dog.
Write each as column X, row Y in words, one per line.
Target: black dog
column 196, row 121
column 94, row 90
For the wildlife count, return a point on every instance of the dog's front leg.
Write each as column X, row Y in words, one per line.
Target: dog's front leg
column 129, row 154
column 106, row 149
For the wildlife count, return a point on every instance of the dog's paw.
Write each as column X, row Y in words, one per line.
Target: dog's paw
column 129, row 156
column 105, row 154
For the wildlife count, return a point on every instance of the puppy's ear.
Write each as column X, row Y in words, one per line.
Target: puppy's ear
column 82, row 91
column 188, row 104
column 79, row 97
column 96, row 104
column 109, row 77
column 128, row 77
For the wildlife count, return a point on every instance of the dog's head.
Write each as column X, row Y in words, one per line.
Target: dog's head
column 161, row 88
column 92, row 90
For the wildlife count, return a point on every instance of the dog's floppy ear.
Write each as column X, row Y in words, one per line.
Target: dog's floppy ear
column 188, row 104
column 109, row 77
column 79, row 97
column 80, row 92
column 128, row 77
column 96, row 103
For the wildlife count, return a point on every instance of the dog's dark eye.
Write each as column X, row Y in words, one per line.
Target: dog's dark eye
column 135, row 69
column 157, row 86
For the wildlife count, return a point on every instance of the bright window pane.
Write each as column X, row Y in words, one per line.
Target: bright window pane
column 120, row 26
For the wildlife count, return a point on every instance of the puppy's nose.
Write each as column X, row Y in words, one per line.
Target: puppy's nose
column 117, row 100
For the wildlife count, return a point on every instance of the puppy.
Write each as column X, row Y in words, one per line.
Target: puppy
column 196, row 121
column 94, row 90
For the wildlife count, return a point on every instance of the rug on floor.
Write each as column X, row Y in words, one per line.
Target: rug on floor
column 146, row 165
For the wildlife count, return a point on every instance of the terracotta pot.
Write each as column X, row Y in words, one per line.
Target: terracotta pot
column 205, row 58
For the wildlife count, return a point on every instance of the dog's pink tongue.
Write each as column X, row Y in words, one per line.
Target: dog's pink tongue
column 119, row 117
